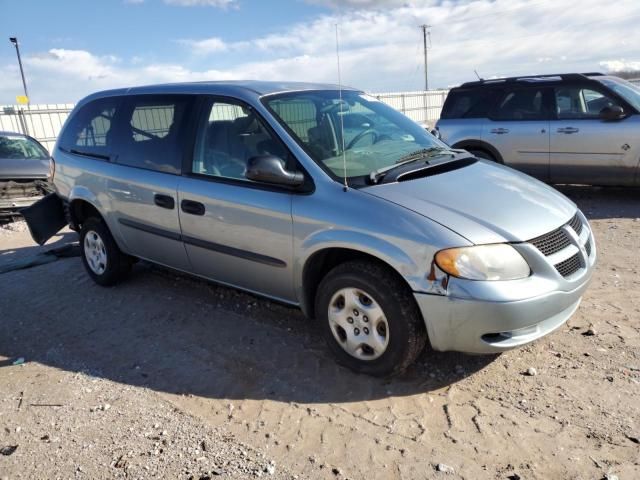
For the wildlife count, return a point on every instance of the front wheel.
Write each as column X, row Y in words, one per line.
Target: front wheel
column 369, row 318
column 105, row 263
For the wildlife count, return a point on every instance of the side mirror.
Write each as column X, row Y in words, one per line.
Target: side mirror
column 436, row 133
column 609, row 114
column 271, row 169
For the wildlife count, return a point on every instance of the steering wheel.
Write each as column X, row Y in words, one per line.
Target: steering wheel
column 222, row 164
column 360, row 136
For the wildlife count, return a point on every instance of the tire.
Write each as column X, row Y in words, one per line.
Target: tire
column 390, row 342
column 104, row 261
column 482, row 154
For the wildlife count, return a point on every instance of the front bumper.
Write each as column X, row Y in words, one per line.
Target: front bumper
column 491, row 317
column 12, row 206
column 477, row 326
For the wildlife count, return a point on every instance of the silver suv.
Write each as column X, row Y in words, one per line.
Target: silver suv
column 573, row 128
column 326, row 199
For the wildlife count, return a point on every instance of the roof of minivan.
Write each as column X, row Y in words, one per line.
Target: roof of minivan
column 258, row 87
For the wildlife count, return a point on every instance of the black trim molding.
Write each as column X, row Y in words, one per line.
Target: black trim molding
column 215, row 247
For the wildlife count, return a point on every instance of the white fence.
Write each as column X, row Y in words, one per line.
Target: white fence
column 44, row 122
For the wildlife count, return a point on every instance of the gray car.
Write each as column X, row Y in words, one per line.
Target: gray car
column 329, row 200
column 24, row 168
column 571, row 128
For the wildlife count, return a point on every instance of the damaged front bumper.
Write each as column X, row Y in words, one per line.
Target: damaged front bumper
column 18, row 194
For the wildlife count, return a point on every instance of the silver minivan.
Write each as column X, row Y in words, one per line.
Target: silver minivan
column 323, row 198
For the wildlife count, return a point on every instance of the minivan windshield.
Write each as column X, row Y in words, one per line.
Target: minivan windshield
column 375, row 135
column 627, row 90
column 18, row 147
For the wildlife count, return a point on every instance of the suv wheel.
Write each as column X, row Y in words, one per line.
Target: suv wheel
column 102, row 258
column 482, row 154
column 369, row 318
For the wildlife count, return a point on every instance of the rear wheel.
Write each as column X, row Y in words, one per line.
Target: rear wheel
column 105, row 263
column 369, row 318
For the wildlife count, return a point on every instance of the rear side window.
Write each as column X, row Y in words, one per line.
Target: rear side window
column 151, row 132
column 467, row 104
column 90, row 130
column 520, row 104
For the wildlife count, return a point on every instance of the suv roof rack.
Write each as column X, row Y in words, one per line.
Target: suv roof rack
column 534, row 78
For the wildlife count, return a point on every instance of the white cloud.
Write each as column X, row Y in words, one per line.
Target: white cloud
column 206, row 46
column 620, row 65
column 201, row 3
column 381, row 50
column 361, row 3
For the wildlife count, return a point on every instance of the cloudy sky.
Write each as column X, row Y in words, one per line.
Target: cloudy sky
column 73, row 47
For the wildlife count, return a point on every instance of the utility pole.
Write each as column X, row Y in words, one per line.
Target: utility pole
column 14, row 40
column 425, row 32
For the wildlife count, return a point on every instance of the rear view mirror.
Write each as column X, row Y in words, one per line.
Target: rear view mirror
column 271, row 169
column 612, row 113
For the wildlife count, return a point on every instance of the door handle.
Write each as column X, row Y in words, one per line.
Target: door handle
column 568, row 130
column 500, row 131
column 192, row 208
column 164, row 201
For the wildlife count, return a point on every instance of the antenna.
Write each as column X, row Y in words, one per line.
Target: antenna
column 476, row 72
column 344, row 154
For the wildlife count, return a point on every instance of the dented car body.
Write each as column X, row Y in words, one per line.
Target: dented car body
column 329, row 200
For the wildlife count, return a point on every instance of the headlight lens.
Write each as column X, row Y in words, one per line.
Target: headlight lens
column 483, row 262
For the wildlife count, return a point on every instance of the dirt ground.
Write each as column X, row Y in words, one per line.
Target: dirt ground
column 168, row 376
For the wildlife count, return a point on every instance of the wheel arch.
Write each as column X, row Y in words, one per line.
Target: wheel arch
column 83, row 205
column 80, row 210
column 480, row 145
column 323, row 260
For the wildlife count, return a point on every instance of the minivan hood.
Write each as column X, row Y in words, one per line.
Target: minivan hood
column 21, row 168
column 484, row 202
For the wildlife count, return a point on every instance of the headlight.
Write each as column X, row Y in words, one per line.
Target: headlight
column 483, row 262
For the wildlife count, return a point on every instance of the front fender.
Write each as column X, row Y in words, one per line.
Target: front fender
column 384, row 250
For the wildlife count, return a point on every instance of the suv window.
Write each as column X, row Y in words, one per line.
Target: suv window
column 152, row 130
column 90, row 130
column 229, row 135
column 520, row 104
column 580, row 103
column 467, row 104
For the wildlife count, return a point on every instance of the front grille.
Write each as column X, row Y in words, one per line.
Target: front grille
column 576, row 224
column 551, row 242
column 558, row 240
column 569, row 266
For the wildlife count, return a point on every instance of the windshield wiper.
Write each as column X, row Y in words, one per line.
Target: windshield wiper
column 430, row 152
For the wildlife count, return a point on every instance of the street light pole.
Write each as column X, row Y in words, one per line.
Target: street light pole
column 425, row 33
column 14, row 40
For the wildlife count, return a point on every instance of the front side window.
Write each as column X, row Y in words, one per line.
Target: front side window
column 18, row 147
column 151, row 135
column 580, row 103
column 356, row 130
column 520, row 104
column 627, row 90
column 90, row 130
column 229, row 135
